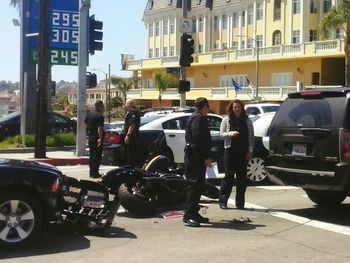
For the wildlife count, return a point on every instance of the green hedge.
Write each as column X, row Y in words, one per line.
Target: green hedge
column 60, row 139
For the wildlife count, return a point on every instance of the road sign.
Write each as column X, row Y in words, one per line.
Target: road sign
column 186, row 26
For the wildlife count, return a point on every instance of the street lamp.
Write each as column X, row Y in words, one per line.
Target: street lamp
column 256, row 65
column 108, row 94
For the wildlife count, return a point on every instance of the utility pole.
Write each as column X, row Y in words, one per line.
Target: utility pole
column 109, row 93
column 43, row 79
column 84, row 7
column 183, row 69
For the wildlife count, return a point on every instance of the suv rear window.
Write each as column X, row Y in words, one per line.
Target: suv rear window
column 317, row 112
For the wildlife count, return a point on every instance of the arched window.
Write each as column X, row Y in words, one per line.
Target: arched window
column 277, row 10
column 276, row 38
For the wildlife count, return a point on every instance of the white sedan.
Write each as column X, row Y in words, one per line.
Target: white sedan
column 174, row 125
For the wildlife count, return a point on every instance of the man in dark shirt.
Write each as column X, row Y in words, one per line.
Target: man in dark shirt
column 94, row 122
column 132, row 135
column 197, row 158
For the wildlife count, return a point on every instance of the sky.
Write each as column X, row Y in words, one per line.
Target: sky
column 123, row 33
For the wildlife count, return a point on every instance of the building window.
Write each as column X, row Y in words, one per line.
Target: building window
column 259, row 11
column 259, row 40
column 150, row 30
column 296, row 37
column 327, row 4
column 296, row 6
column 277, row 10
column 150, row 4
column 172, row 26
column 250, row 15
column 165, row 52
column 224, row 21
column 235, row 44
column 313, row 7
column 313, row 35
column 156, row 29
column 339, row 33
column 215, row 23
column 224, row 46
column 242, row 44
column 165, row 27
column 216, row 45
column 194, row 25
column 250, row 43
column 200, row 24
column 276, row 38
column 234, row 20
column 243, row 18
column 282, row 79
column 150, row 53
column 98, row 96
column 92, row 96
column 156, row 55
column 172, row 51
column 200, row 48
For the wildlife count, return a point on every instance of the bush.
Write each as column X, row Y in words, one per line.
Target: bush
column 58, row 140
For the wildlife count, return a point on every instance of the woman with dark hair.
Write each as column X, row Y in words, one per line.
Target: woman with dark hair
column 238, row 132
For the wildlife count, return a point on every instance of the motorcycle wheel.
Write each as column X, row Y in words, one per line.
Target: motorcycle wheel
column 210, row 191
column 134, row 202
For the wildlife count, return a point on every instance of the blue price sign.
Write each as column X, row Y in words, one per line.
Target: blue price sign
column 63, row 24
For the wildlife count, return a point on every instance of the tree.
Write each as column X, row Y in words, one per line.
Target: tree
column 339, row 18
column 123, row 85
column 15, row 3
column 162, row 82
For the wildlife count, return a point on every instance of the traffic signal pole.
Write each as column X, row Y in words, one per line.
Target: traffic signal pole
column 183, row 69
column 84, row 7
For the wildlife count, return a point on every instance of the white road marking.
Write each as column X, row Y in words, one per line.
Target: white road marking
column 277, row 187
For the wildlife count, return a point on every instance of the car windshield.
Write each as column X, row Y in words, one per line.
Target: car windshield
column 9, row 116
column 299, row 112
column 271, row 108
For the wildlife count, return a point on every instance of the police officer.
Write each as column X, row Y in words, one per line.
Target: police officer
column 94, row 121
column 197, row 158
column 132, row 134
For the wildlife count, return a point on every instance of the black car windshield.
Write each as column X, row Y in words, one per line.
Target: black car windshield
column 8, row 117
column 318, row 112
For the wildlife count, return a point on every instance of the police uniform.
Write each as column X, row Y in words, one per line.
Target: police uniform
column 94, row 120
column 133, row 155
column 197, row 150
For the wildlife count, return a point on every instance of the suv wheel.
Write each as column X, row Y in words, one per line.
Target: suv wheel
column 256, row 170
column 325, row 198
column 21, row 218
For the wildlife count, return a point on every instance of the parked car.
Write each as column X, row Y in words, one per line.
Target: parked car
column 31, row 195
column 310, row 144
column 258, row 108
column 256, row 171
column 56, row 123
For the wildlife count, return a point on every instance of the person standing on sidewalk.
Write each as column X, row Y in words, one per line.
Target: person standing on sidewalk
column 197, row 158
column 238, row 132
column 132, row 134
column 94, row 122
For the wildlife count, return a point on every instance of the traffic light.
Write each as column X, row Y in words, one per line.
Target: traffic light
column 184, row 86
column 91, row 80
column 95, row 35
column 186, row 50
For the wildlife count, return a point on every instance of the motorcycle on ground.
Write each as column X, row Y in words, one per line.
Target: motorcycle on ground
column 159, row 185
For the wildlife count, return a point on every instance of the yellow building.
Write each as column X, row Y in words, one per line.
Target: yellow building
column 276, row 44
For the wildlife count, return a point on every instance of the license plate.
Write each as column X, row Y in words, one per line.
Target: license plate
column 299, row 149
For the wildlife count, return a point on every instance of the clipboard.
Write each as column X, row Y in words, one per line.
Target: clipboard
column 212, row 171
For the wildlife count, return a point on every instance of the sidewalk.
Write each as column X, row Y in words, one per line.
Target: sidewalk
column 55, row 157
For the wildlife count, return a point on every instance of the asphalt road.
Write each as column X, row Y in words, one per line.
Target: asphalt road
column 280, row 224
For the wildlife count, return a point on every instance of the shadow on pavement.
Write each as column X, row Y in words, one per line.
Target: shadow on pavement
column 334, row 215
column 234, row 224
column 60, row 239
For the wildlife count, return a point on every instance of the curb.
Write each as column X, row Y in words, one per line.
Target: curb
column 64, row 162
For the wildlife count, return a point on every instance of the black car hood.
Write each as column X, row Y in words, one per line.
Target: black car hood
column 33, row 165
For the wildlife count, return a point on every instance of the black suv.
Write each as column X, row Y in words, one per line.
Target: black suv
column 310, row 144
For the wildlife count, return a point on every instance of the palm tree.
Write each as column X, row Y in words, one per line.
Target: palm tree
column 339, row 18
column 123, row 85
column 162, row 82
